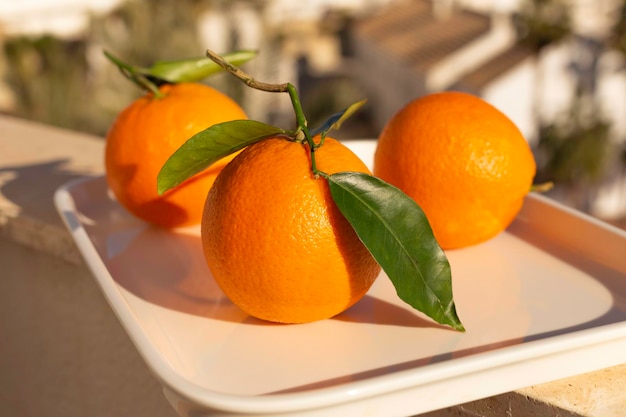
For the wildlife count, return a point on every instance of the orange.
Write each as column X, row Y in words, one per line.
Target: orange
column 463, row 161
column 143, row 137
column 274, row 240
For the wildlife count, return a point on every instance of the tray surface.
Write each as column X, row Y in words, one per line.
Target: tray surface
column 536, row 301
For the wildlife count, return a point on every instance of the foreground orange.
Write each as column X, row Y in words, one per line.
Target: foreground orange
column 146, row 133
column 275, row 241
column 462, row 160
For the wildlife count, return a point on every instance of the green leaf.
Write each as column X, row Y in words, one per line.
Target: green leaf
column 196, row 69
column 177, row 71
column 209, row 146
column 335, row 121
column 397, row 233
column 137, row 75
column 126, row 68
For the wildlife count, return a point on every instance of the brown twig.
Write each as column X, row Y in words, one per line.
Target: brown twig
column 251, row 82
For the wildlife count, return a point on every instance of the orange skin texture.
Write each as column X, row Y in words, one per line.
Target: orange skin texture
column 274, row 240
column 462, row 160
column 146, row 134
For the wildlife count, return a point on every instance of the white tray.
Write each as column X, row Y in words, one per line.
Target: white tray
column 544, row 300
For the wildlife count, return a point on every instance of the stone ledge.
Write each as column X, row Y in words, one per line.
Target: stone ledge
column 44, row 237
column 35, row 161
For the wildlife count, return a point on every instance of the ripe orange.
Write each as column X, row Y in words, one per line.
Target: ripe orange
column 143, row 137
column 462, row 160
column 274, row 240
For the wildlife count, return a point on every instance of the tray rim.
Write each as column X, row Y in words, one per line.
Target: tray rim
column 354, row 391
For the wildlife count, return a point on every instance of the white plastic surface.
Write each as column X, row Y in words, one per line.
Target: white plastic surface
column 544, row 300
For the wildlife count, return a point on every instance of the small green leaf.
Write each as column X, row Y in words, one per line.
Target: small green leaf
column 177, row 71
column 335, row 121
column 123, row 66
column 195, row 69
column 397, row 233
column 209, row 146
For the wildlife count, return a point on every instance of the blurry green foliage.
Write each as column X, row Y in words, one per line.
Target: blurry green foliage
column 50, row 80
column 542, row 22
column 575, row 149
column 617, row 38
column 576, row 154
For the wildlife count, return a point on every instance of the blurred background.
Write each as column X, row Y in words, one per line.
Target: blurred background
column 555, row 67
